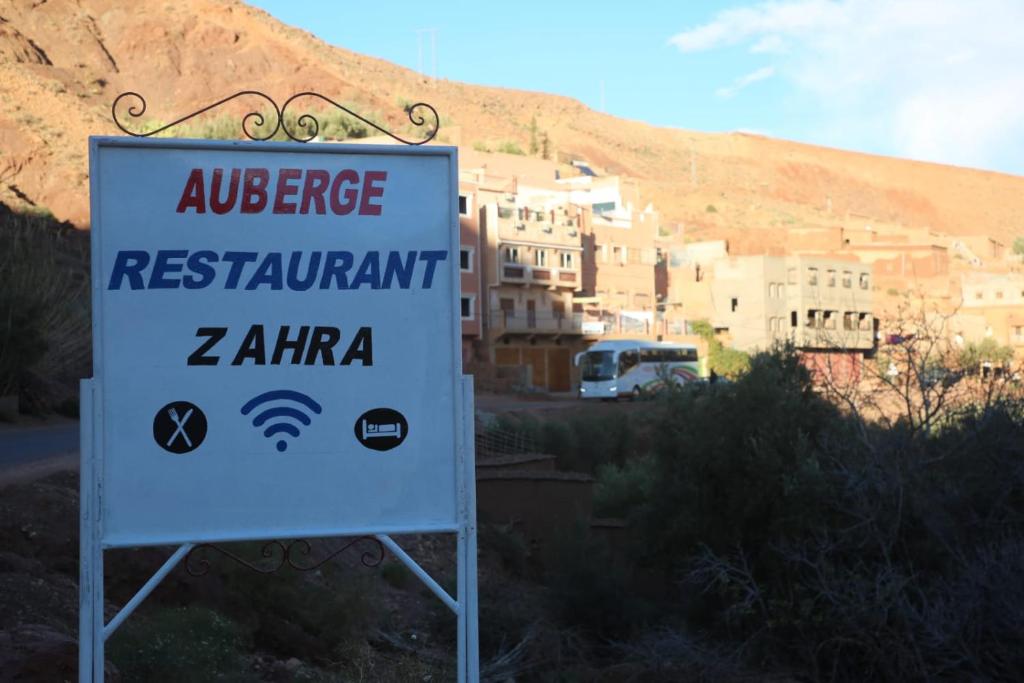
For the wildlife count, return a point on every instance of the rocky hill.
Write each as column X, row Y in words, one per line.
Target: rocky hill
column 62, row 63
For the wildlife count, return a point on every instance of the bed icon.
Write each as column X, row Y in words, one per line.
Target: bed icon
column 376, row 430
column 381, row 429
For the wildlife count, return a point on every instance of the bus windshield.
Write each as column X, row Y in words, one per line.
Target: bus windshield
column 598, row 366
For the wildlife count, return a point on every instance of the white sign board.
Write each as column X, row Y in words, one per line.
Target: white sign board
column 276, row 339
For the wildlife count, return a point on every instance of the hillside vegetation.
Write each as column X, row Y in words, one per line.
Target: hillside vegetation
column 63, row 62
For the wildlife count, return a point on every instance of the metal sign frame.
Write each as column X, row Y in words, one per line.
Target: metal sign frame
column 93, row 631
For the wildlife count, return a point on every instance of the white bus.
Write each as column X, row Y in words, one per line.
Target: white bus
column 627, row 367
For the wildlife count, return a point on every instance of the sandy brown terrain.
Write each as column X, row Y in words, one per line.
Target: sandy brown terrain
column 62, row 63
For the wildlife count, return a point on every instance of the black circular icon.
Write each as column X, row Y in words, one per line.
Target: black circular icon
column 381, row 429
column 179, row 427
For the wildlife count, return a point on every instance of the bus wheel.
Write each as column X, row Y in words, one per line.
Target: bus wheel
column 637, row 394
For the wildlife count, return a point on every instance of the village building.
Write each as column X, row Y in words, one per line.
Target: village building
column 823, row 306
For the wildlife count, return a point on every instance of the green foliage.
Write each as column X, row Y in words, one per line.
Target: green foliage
column 330, row 124
column 545, row 146
column 723, row 478
column 588, row 589
column 986, row 351
column 508, row 544
column 710, row 208
column 44, row 315
column 1018, row 246
column 622, row 489
column 579, row 442
column 480, row 146
column 510, row 147
column 703, row 329
column 396, row 574
column 534, row 142
column 724, row 361
column 179, row 644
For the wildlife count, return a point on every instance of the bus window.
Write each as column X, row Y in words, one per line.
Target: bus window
column 651, row 356
column 598, row 366
column 627, row 361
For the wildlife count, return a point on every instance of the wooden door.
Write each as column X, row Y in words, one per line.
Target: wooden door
column 536, row 359
column 558, row 369
column 506, row 356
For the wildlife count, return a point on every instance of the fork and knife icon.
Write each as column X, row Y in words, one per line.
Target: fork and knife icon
column 179, row 426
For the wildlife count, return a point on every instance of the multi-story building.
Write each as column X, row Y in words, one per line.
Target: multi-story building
column 823, row 306
column 993, row 306
column 469, row 268
column 531, row 266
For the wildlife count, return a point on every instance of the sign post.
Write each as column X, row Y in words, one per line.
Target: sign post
column 276, row 355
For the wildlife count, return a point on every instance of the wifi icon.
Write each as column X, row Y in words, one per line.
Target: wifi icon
column 280, row 415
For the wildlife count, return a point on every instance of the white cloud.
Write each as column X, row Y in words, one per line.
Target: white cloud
column 770, row 44
column 941, row 80
column 743, row 81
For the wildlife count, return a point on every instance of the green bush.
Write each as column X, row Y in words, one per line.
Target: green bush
column 620, row 490
column 179, row 644
column 510, row 147
column 44, row 308
column 508, row 544
column 588, row 589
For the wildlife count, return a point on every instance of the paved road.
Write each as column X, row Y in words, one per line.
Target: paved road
column 30, row 452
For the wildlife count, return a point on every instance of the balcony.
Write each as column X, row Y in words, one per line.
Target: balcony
column 518, row 273
column 530, row 322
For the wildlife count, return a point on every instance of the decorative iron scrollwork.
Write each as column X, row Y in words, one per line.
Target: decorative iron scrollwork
column 307, row 126
column 281, row 553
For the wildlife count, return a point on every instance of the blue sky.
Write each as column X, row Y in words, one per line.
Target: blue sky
column 937, row 80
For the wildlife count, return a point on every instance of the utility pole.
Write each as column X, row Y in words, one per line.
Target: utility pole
column 433, row 51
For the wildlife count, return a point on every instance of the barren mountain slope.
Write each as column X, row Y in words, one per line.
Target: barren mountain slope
column 62, row 62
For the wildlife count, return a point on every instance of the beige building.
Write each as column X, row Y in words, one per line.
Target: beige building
column 993, row 306
column 531, row 267
column 819, row 304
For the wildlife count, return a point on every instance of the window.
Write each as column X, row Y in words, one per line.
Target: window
column 830, row 320
column 979, row 295
column 627, row 361
column 540, row 257
column 558, row 309
column 864, row 283
column 999, row 294
column 831, row 278
column 864, row 321
column 849, row 321
column 633, row 256
column 565, row 259
column 511, row 254
column 793, row 322
column 467, row 307
column 466, row 260
column 812, row 276
column 780, row 289
column 735, row 304
column 771, row 290
column 625, row 254
column 847, row 279
column 812, row 317
column 463, row 205
column 791, row 276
